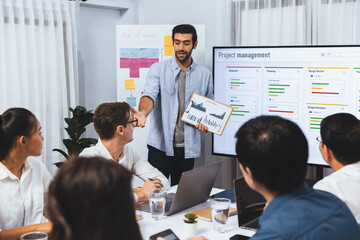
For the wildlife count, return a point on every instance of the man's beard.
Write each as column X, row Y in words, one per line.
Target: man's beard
column 186, row 57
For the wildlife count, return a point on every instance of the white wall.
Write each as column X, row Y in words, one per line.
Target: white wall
column 97, row 54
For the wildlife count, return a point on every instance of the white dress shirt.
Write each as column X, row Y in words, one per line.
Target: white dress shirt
column 345, row 184
column 131, row 160
column 22, row 201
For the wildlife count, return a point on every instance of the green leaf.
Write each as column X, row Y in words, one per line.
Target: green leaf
column 62, row 152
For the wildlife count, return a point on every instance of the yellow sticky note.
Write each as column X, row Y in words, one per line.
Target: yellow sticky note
column 168, row 50
column 129, row 84
column 168, row 41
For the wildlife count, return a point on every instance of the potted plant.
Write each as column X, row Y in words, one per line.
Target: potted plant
column 76, row 127
column 190, row 224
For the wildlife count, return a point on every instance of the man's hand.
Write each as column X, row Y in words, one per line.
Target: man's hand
column 201, row 127
column 139, row 116
column 153, row 185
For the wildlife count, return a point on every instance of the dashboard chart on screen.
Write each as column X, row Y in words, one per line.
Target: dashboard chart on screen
column 301, row 83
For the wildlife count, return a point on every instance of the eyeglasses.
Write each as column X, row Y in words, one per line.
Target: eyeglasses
column 133, row 121
column 318, row 138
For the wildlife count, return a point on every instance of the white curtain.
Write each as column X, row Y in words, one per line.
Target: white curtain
column 271, row 22
column 336, row 22
column 38, row 64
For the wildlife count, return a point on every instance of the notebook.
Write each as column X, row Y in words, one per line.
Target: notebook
column 194, row 188
column 205, row 213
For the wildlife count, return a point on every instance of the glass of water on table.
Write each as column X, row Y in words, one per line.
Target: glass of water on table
column 219, row 213
column 157, row 203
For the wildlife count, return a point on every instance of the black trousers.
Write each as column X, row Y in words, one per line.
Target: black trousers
column 172, row 166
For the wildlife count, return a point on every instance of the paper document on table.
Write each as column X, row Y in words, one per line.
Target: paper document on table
column 211, row 113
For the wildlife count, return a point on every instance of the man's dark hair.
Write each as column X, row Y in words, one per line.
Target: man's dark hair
column 108, row 116
column 341, row 134
column 183, row 29
column 276, row 152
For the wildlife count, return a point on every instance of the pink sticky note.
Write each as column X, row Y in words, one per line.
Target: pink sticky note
column 153, row 60
column 144, row 62
column 134, row 62
column 124, row 63
column 134, row 72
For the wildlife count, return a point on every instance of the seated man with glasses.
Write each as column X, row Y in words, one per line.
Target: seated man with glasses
column 114, row 123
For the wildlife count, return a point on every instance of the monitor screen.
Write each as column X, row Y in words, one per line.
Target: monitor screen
column 301, row 83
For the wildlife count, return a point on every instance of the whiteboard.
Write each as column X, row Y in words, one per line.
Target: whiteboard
column 137, row 47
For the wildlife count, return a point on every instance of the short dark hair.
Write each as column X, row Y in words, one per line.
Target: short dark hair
column 90, row 199
column 341, row 134
column 276, row 152
column 108, row 116
column 183, row 29
column 15, row 122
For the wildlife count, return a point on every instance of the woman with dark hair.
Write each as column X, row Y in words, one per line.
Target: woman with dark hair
column 91, row 199
column 23, row 181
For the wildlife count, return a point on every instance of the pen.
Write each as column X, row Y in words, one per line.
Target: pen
column 151, row 179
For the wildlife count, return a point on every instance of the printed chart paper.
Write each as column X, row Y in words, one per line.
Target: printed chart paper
column 212, row 114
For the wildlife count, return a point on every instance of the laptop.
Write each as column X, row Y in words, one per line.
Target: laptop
column 249, row 203
column 194, row 188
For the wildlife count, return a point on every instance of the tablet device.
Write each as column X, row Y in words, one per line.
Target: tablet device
column 167, row 234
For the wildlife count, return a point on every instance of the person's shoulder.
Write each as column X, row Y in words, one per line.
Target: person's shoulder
column 35, row 163
column 201, row 68
column 90, row 151
column 38, row 166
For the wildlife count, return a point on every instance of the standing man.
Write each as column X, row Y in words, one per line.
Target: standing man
column 340, row 148
column 173, row 144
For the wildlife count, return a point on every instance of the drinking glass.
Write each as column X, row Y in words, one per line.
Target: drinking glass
column 219, row 213
column 34, row 236
column 157, row 203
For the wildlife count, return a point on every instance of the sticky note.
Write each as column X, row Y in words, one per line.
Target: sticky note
column 129, row 84
column 134, row 62
column 168, row 50
column 152, row 61
column 144, row 53
column 135, row 72
column 144, row 63
column 168, row 40
column 131, row 101
column 124, row 53
column 134, row 53
column 124, row 63
column 153, row 53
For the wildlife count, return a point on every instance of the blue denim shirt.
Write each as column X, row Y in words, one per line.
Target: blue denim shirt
column 307, row 214
column 162, row 87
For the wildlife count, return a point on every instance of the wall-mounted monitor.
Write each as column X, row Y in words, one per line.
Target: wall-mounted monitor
column 301, row 83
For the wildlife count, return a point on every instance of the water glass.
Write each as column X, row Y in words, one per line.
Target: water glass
column 34, row 236
column 219, row 213
column 157, row 203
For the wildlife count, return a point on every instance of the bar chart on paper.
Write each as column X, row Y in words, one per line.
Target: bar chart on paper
column 212, row 114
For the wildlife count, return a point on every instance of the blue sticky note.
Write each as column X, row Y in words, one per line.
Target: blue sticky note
column 153, row 53
column 124, row 52
column 134, row 53
column 131, row 101
column 144, row 52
